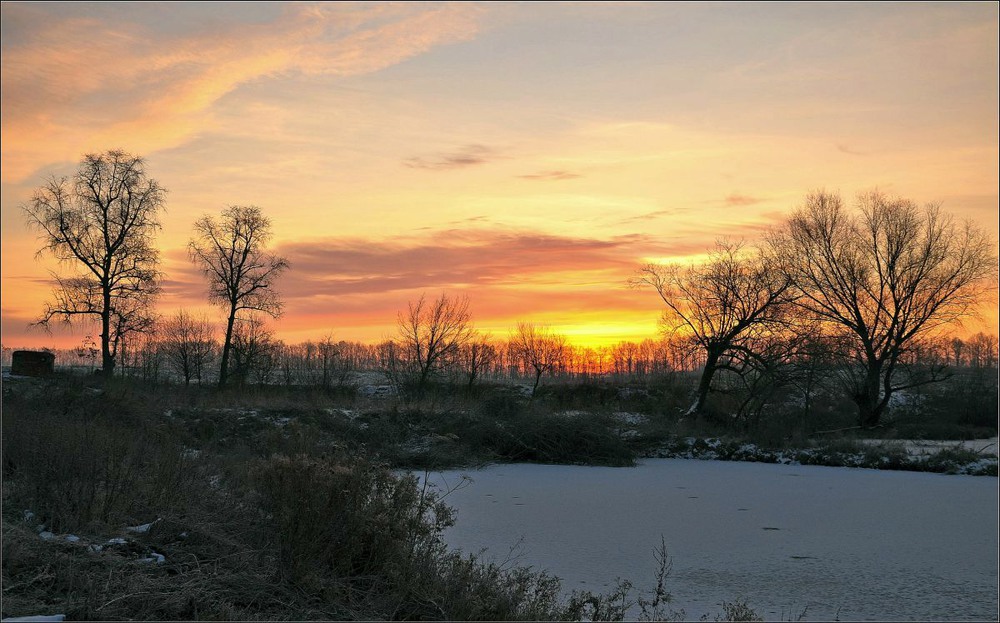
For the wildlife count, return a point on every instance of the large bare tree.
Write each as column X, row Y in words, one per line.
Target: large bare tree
column 101, row 222
column 723, row 305
column 231, row 252
column 433, row 332
column 881, row 279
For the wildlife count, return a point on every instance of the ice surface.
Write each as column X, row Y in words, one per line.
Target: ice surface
column 856, row 544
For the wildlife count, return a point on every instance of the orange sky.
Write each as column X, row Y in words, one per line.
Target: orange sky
column 530, row 156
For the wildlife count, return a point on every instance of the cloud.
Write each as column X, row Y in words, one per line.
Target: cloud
column 649, row 216
column 550, row 175
column 737, row 199
column 479, row 258
column 468, row 155
column 846, row 149
column 447, row 258
column 69, row 83
column 356, row 284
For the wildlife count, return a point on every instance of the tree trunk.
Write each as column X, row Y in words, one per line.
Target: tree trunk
column 705, row 384
column 870, row 403
column 107, row 359
column 538, row 377
column 226, row 347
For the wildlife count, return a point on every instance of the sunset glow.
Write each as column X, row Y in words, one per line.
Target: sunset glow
column 529, row 156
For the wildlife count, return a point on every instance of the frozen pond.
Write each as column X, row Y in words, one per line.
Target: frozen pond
column 852, row 544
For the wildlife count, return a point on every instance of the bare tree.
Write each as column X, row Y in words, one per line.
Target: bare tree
column 538, row 348
column 882, row 279
column 722, row 305
column 102, row 222
column 188, row 344
column 241, row 273
column 431, row 334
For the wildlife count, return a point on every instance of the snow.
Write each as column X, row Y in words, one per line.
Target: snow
column 632, row 419
column 853, row 544
column 154, row 558
column 923, row 447
column 144, row 528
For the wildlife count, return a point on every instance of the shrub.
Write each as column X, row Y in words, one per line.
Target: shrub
column 334, row 519
column 78, row 457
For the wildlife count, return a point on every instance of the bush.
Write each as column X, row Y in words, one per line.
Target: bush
column 333, row 519
column 78, row 457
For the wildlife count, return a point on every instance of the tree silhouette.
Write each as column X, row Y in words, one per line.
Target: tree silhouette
column 433, row 333
column 101, row 222
column 241, row 272
column 881, row 279
column 723, row 304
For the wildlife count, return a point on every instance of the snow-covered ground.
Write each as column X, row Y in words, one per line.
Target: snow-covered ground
column 923, row 447
column 853, row 544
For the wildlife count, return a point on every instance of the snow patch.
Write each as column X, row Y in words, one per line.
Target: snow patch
column 154, row 558
column 143, row 529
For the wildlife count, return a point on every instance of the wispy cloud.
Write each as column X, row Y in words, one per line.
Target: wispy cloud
column 466, row 156
column 70, row 83
column 650, row 216
column 847, row 149
column 550, row 175
column 737, row 199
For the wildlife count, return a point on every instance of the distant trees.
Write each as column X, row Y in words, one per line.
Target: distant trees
column 188, row 345
column 241, row 272
column 880, row 279
column 982, row 350
column 432, row 333
column 102, row 222
column 476, row 357
column 539, row 349
column 254, row 350
column 724, row 304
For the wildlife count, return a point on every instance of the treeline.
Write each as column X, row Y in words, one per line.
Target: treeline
column 185, row 350
column 862, row 294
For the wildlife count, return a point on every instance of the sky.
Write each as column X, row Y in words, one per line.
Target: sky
column 531, row 156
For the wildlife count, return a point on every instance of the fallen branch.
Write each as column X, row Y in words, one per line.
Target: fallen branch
column 840, row 430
